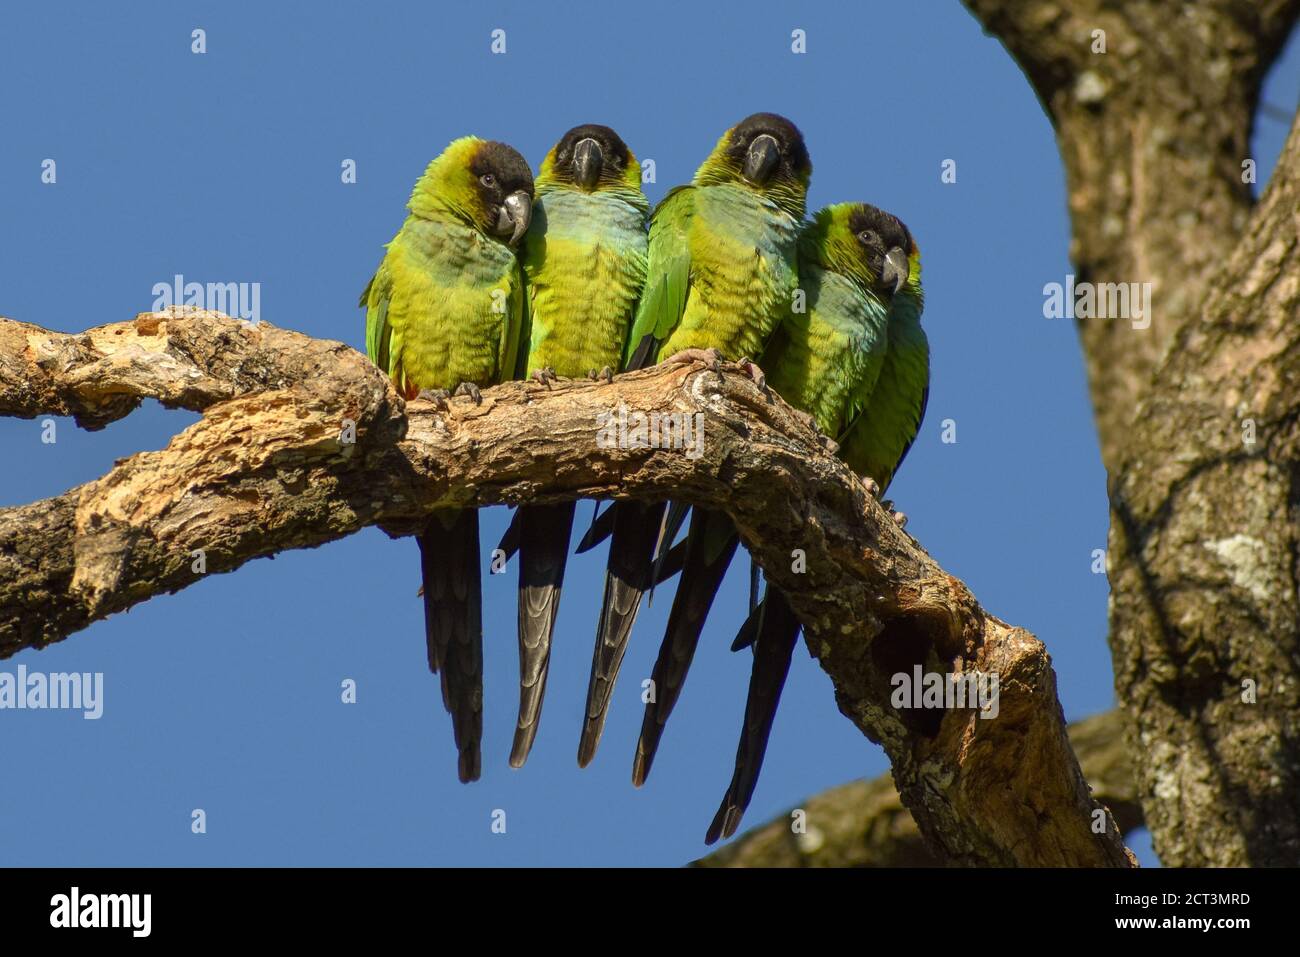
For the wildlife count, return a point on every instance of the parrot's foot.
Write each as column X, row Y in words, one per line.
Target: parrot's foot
column 896, row 515
column 748, row 367
column 438, row 397
column 471, row 390
column 710, row 357
column 606, row 374
column 872, row 488
column 545, row 376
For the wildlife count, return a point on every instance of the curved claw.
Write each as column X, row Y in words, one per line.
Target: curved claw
column 748, row 367
column 894, row 513
column 545, row 376
column 437, row 396
column 471, row 390
column 872, row 488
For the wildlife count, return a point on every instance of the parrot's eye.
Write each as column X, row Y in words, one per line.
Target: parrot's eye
column 488, row 180
column 868, row 238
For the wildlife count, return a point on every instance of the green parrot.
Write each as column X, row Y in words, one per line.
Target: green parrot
column 875, row 429
column 445, row 311
column 722, row 271
column 825, row 359
column 584, row 259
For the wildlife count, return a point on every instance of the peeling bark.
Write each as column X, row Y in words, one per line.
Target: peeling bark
column 269, row 468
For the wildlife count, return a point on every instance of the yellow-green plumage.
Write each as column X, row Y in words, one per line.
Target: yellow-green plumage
column 723, row 270
column 878, row 439
column 826, row 358
column 446, row 305
column 585, row 263
column 827, row 354
column 446, row 308
column 723, row 249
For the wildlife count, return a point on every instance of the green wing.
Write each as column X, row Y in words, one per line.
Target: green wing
column 860, row 397
column 514, row 341
column 379, row 334
column 876, row 442
column 668, row 277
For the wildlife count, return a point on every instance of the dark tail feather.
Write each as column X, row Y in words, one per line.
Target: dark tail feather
column 701, row 579
column 672, row 524
column 602, row 525
column 772, row 652
column 543, row 549
column 627, row 575
column 755, row 573
column 644, row 354
column 509, row 544
column 748, row 632
column 671, row 563
column 453, row 626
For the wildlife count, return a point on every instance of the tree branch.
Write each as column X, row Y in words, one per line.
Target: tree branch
column 864, row 823
column 269, row 468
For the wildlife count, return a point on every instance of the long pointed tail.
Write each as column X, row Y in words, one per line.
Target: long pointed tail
column 602, row 526
column 772, row 652
column 627, row 576
column 453, row 626
column 703, row 569
column 672, row 523
column 543, row 550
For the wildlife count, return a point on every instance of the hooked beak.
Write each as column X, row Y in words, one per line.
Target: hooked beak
column 761, row 159
column 513, row 217
column 588, row 160
column 895, row 270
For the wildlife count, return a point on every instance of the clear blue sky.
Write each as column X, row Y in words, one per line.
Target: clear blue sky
column 225, row 167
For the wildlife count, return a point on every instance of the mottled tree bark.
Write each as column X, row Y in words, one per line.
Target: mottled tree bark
column 1205, row 524
column 1154, row 134
column 303, row 441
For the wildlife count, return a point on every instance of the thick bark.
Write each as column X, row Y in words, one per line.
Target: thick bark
column 864, row 823
column 270, row 467
column 1153, row 133
column 1202, row 562
column 1205, row 618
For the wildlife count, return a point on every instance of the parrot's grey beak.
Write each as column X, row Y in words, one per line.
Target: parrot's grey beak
column 761, row 159
column 895, row 270
column 514, row 216
column 588, row 160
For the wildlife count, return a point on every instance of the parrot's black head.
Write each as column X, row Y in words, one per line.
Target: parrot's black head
column 886, row 243
column 768, row 148
column 504, row 185
column 590, row 156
